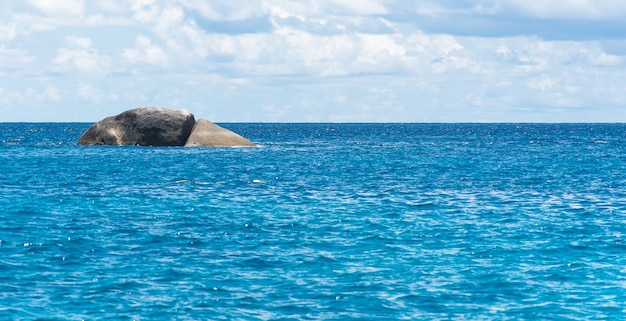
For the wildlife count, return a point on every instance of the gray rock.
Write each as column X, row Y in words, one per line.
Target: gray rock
column 148, row 126
column 206, row 133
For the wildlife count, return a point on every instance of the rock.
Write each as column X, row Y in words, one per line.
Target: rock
column 206, row 133
column 148, row 126
column 155, row 126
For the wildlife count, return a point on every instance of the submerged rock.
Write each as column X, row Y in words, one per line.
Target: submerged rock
column 206, row 133
column 155, row 126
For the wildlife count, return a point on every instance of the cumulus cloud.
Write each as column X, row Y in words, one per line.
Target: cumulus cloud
column 60, row 7
column 319, row 60
column 145, row 52
column 81, row 56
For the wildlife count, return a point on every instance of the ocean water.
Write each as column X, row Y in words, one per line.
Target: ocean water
column 322, row 222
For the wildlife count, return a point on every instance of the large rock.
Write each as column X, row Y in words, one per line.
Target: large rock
column 150, row 126
column 155, row 126
column 206, row 133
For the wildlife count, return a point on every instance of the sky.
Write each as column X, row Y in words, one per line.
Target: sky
column 315, row 61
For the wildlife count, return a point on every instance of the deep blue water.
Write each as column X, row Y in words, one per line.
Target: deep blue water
column 324, row 221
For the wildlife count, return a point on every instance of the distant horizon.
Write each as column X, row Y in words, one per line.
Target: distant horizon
column 326, row 61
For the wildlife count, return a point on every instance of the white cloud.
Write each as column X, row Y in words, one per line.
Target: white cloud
column 87, row 91
column 273, row 113
column 114, row 6
column 541, row 84
column 60, row 7
column 168, row 20
column 11, row 97
column 363, row 7
column 145, row 11
column 290, row 50
column 79, row 42
column 378, row 53
column 604, row 59
column 98, row 20
column 571, row 9
column 8, row 31
column 542, row 9
column 322, row 60
column 226, row 10
column 51, row 93
column 11, row 59
column 175, row 38
column 145, row 52
column 325, row 8
column 54, row 15
column 81, row 56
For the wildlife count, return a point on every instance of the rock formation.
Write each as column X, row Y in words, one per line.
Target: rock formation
column 205, row 133
column 155, row 126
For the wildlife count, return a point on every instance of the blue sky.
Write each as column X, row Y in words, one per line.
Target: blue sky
column 315, row 61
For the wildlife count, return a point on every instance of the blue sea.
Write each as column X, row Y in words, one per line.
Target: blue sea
column 322, row 222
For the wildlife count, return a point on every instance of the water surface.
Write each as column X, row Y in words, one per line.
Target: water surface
column 324, row 221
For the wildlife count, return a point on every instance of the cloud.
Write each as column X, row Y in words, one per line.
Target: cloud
column 112, row 6
column 328, row 8
column 225, row 11
column 144, row 11
column 51, row 93
column 361, row 7
column 259, row 24
column 558, row 20
column 81, row 56
column 604, row 59
column 274, row 113
column 89, row 92
column 286, row 49
column 8, row 31
column 540, row 84
column 570, row 9
column 11, row 97
column 15, row 60
column 59, row 7
column 325, row 60
column 294, row 51
column 175, row 37
column 145, row 52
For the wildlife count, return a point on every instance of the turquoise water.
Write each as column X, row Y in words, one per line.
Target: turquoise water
column 324, row 221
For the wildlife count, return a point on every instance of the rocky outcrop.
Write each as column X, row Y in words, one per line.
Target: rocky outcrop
column 206, row 133
column 155, row 126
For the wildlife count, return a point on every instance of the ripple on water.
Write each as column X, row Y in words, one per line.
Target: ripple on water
column 424, row 221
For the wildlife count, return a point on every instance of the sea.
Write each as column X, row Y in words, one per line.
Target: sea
column 320, row 222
